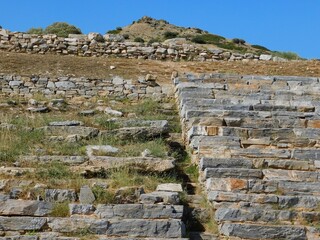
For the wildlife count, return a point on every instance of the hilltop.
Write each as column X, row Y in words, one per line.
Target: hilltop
column 151, row 30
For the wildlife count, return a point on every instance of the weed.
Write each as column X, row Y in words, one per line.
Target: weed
column 287, row 55
column 60, row 210
column 102, row 195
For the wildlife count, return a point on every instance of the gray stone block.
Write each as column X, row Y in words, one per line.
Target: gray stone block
column 254, row 231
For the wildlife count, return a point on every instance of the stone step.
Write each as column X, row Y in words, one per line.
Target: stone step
column 307, row 202
column 256, row 215
column 240, row 173
column 262, row 186
column 263, row 95
column 256, row 231
column 256, row 122
column 224, row 163
column 295, row 154
column 247, row 107
column 171, row 228
column 210, row 141
column 139, row 211
column 191, row 113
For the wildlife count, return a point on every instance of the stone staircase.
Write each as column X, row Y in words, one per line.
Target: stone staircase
column 117, row 221
column 256, row 141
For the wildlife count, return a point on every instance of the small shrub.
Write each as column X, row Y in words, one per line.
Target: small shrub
column 208, row 38
column 102, row 195
column 35, row 31
column 115, row 31
column 260, row 47
column 62, row 29
column 199, row 40
column 139, row 39
column 238, row 41
column 153, row 40
column 126, row 36
column 168, row 34
column 60, row 210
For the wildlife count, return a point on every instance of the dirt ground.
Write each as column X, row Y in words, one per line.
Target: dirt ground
column 99, row 67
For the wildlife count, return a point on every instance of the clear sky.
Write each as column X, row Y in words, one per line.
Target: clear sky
column 282, row 25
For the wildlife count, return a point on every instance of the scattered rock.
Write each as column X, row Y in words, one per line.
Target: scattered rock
column 86, row 195
column 112, row 112
column 98, row 150
column 87, row 112
column 170, row 187
column 38, row 109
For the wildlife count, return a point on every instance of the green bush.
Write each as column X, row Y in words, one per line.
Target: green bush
column 35, row 31
column 139, row 39
column 115, row 31
column 126, row 36
column 260, row 47
column 238, row 41
column 168, row 34
column 198, row 39
column 208, row 38
column 62, row 29
column 231, row 46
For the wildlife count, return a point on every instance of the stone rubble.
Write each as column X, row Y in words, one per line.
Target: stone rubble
column 94, row 44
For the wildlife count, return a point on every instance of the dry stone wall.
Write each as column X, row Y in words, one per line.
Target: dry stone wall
column 256, row 141
column 95, row 44
column 27, row 86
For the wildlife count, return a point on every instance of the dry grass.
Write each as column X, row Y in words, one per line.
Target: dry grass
column 93, row 67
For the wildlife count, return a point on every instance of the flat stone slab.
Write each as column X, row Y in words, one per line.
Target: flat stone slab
column 160, row 197
column 224, row 163
column 85, row 132
column 22, row 223
column 170, row 187
column 172, row 228
column 12, row 207
column 38, row 109
column 233, row 173
column 60, row 195
column 139, row 211
column 72, row 225
column 143, row 163
column 254, row 231
column 66, row 123
column 72, row 160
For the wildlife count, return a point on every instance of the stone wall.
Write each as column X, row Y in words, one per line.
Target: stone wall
column 26, row 86
column 95, row 44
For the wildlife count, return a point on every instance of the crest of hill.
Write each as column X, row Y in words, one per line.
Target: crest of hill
column 151, row 30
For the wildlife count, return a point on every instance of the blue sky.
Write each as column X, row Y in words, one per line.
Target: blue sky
column 282, row 25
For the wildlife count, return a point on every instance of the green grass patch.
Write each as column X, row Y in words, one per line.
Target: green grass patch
column 287, row 55
column 60, row 210
column 208, row 39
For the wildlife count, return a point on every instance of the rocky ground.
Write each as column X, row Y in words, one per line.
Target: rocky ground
column 96, row 168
